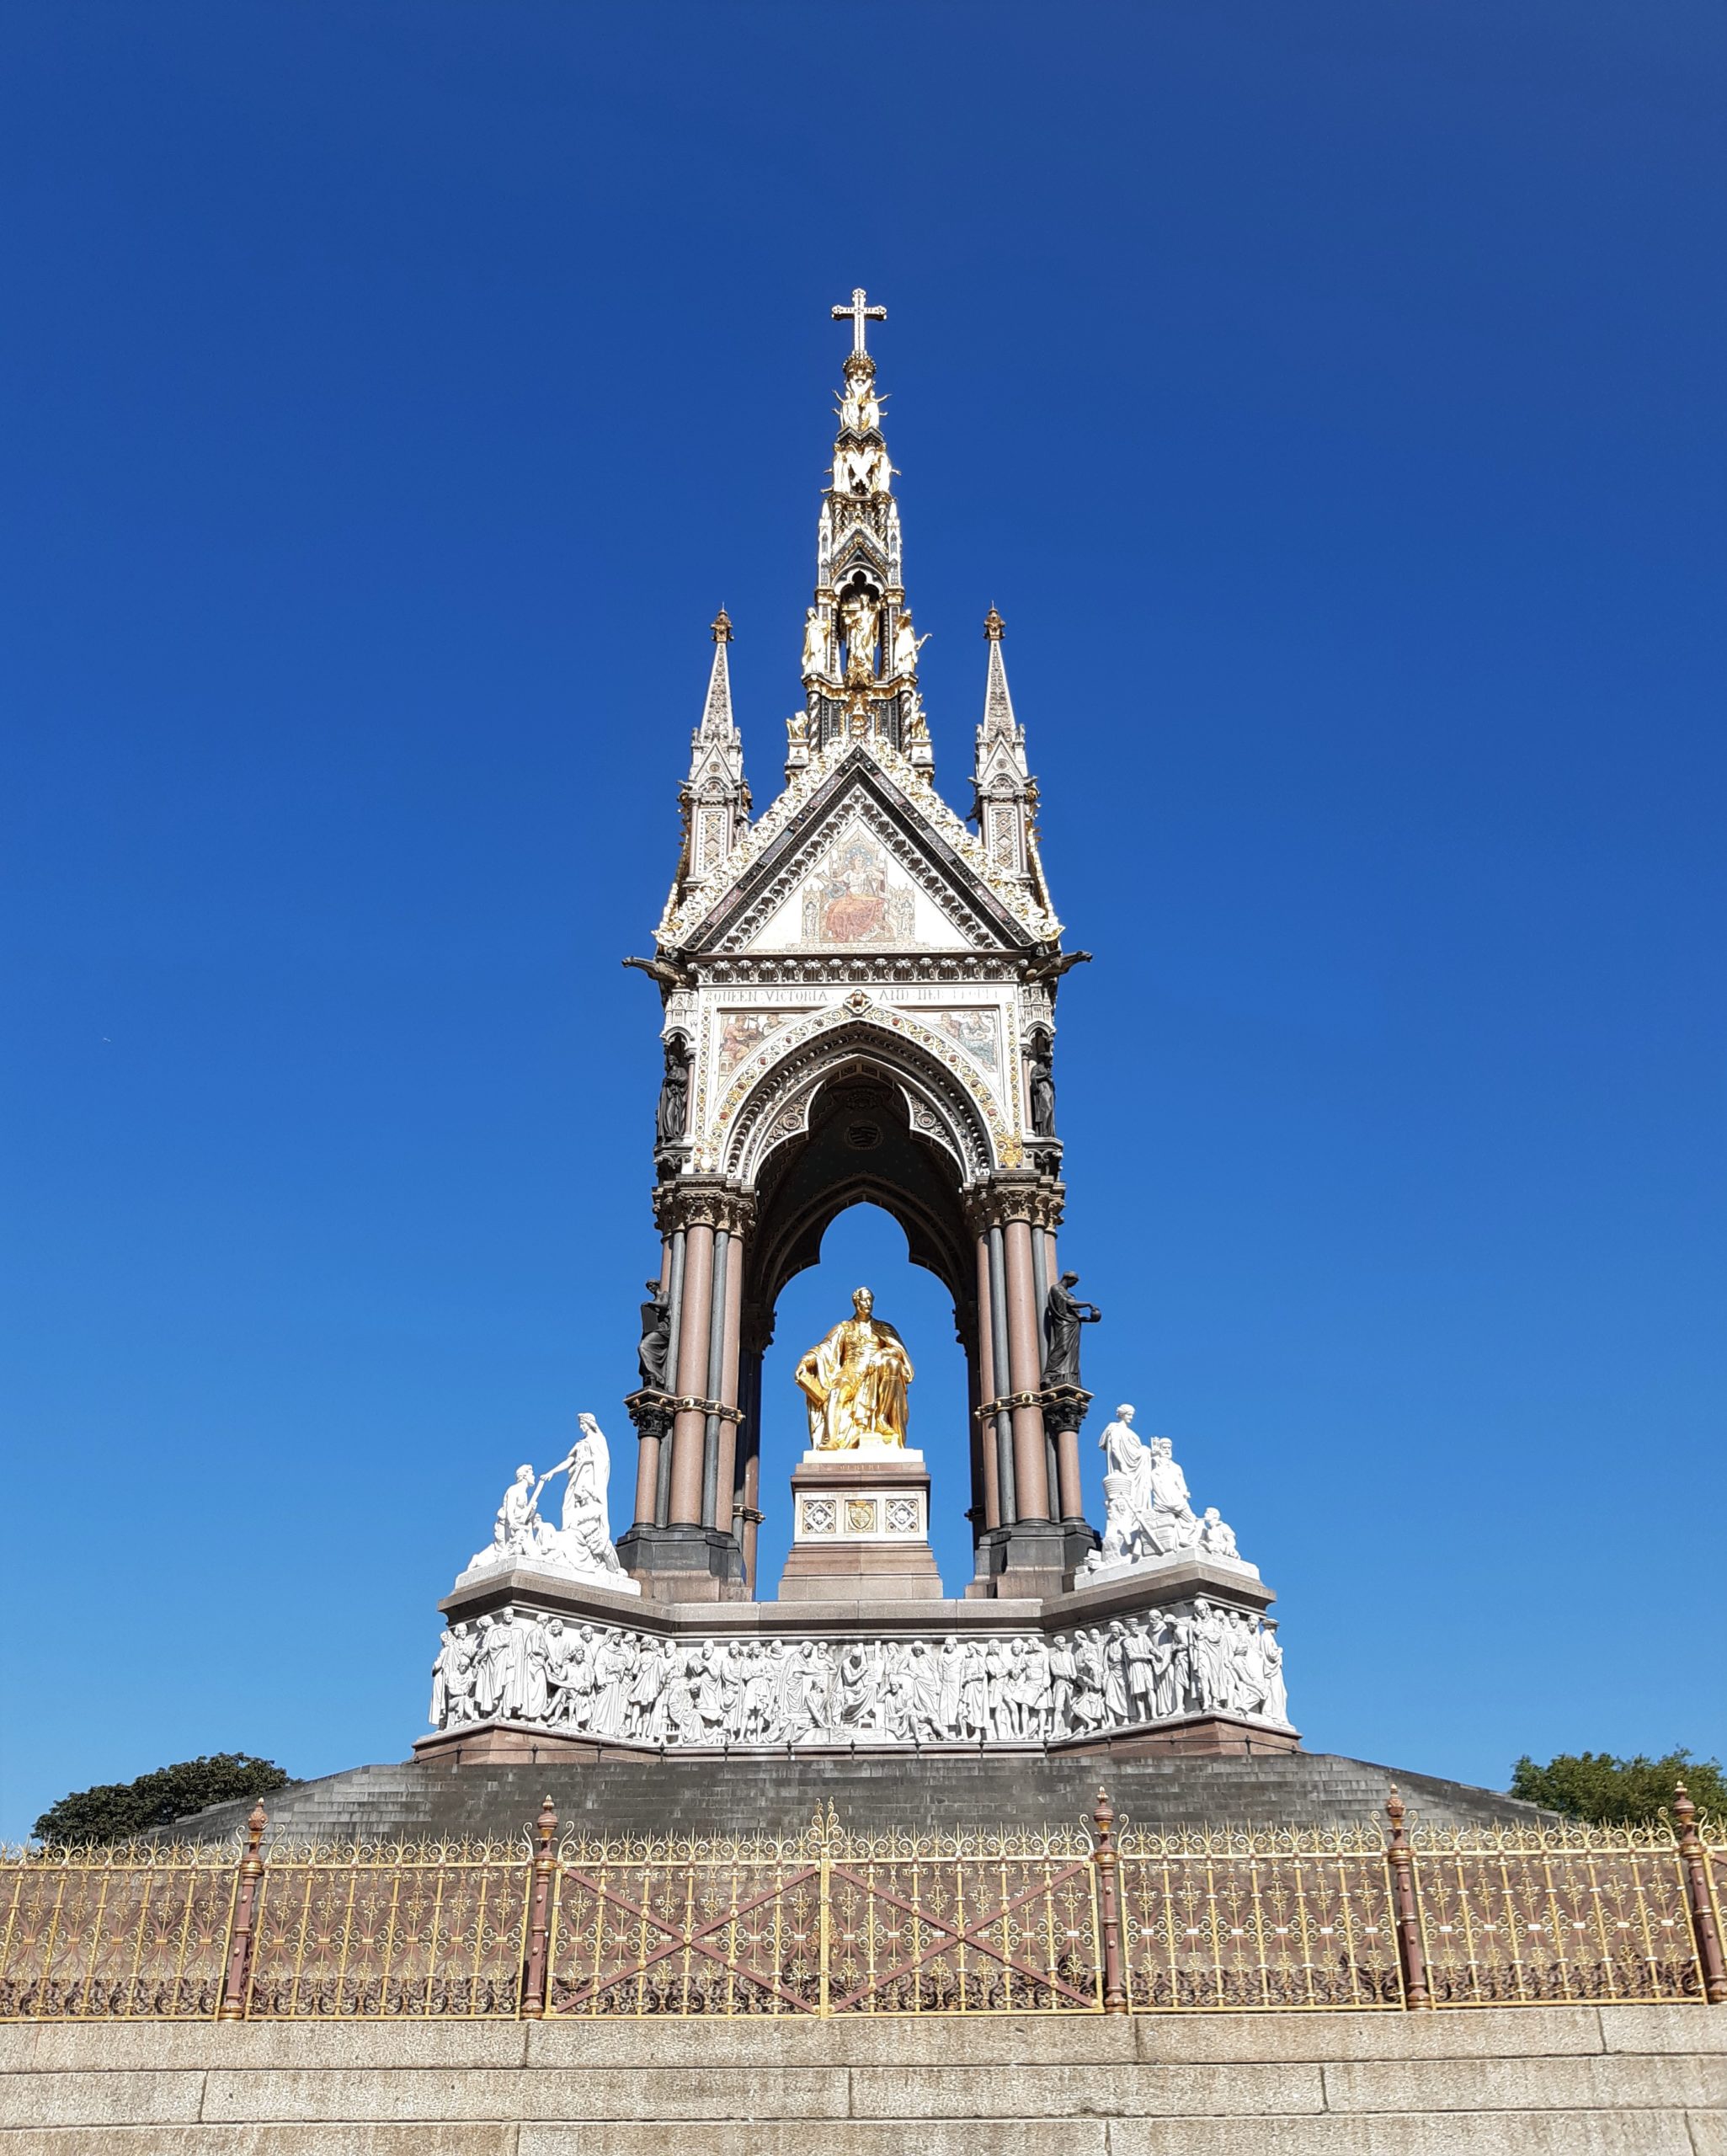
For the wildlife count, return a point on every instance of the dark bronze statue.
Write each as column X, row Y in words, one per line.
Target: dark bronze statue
column 1040, row 1084
column 1064, row 1314
column 656, row 1337
column 673, row 1109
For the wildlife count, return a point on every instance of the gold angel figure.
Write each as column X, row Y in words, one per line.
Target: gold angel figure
column 856, row 1382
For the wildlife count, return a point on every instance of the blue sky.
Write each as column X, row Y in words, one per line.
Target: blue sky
column 1329, row 398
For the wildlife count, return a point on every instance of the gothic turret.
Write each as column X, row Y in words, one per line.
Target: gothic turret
column 714, row 798
column 1005, row 807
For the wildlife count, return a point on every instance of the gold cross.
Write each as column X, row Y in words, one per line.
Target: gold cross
column 860, row 314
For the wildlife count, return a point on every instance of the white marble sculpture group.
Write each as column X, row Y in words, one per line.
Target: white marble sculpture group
column 602, row 1681
column 581, row 1543
column 1148, row 1512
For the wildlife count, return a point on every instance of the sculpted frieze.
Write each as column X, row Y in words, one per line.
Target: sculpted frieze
column 622, row 1686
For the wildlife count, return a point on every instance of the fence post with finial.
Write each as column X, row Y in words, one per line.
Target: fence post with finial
column 1106, row 1859
column 1406, row 1909
column 541, row 1878
column 1693, row 1862
column 238, row 1976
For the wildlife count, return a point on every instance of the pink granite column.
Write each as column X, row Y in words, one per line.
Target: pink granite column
column 1026, row 1374
column 690, row 1426
column 987, row 1389
column 1067, row 1468
column 731, row 1320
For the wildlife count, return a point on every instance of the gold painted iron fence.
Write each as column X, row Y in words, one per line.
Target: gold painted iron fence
column 1090, row 1919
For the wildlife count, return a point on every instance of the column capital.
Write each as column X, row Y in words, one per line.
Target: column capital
column 703, row 1201
column 1064, row 1407
column 1015, row 1194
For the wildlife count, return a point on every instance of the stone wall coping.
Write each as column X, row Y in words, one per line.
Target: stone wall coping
column 1339, row 2036
column 841, row 1616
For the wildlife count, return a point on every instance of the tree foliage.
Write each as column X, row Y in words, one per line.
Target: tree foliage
column 1596, row 1785
column 114, row 1811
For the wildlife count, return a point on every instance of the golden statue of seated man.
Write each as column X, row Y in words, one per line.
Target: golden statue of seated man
column 856, row 1382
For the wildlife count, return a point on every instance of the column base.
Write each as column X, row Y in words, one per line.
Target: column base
column 1030, row 1559
column 683, row 1564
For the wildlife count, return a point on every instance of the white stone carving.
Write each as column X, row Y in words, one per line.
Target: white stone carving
column 1148, row 1512
column 579, row 1545
column 604, row 1681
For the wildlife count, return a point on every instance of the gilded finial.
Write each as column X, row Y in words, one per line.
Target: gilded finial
column 722, row 626
column 993, row 626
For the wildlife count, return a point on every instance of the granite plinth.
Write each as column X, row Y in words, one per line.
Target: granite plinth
column 860, row 1526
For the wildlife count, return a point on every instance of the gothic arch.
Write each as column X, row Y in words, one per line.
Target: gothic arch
column 943, row 1107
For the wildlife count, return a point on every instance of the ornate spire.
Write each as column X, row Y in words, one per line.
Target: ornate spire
column 1006, row 793
column 714, row 798
column 860, row 649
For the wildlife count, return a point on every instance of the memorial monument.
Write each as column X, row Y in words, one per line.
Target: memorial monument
column 858, row 994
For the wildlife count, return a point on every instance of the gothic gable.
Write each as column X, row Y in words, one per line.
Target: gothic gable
column 865, row 858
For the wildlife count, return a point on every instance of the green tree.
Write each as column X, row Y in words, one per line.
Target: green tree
column 114, row 1811
column 1596, row 1785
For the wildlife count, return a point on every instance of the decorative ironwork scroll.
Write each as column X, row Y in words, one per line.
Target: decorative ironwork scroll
column 1526, row 1916
column 431, row 1929
column 133, row 1931
column 1244, row 1922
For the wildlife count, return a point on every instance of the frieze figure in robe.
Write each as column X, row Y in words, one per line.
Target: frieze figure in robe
column 656, row 1342
column 673, row 1112
column 856, row 1382
column 1064, row 1314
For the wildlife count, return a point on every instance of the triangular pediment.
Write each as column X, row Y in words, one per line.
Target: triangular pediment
column 860, row 854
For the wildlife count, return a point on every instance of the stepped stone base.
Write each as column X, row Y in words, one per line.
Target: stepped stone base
column 1497, row 2081
column 779, row 1795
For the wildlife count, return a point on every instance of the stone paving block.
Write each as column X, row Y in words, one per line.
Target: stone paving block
column 827, row 2138
column 1483, row 2032
column 256, row 2044
column 1664, row 2027
column 861, row 2040
column 662, row 2093
column 18, row 2045
column 1527, row 2084
column 99, row 2099
column 1481, row 2134
column 1708, row 2132
column 1080, row 2092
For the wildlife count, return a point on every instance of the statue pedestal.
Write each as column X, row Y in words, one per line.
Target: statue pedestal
column 861, row 1528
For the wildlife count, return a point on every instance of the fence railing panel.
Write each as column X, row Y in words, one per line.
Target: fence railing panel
column 832, row 1922
column 650, row 1927
column 415, row 1929
column 968, row 1926
column 1526, row 1918
column 1244, row 1923
column 116, row 1933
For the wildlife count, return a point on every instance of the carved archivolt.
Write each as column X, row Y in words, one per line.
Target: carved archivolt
column 770, row 1100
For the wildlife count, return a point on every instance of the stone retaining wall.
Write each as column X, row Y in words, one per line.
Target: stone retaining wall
column 1546, row 2081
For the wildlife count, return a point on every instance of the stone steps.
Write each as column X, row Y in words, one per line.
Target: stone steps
column 781, row 1796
